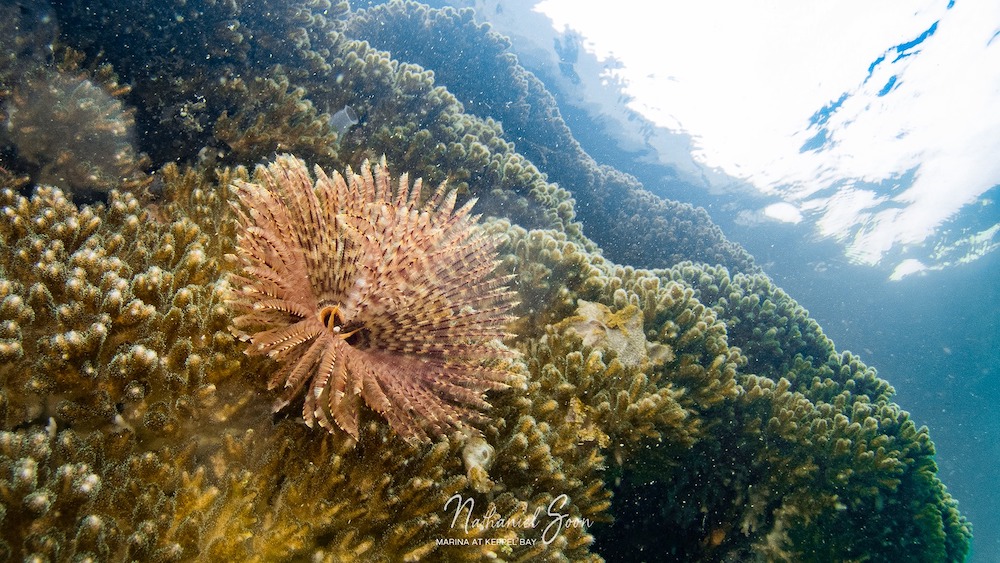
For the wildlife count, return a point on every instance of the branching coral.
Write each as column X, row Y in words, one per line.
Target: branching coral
column 82, row 292
column 704, row 361
column 632, row 225
column 361, row 291
column 549, row 273
column 777, row 334
column 70, row 129
column 262, row 495
column 591, row 397
column 868, row 469
column 139, row 437
column 422, row 127
column 419, row 126
column 249, row 133
column 813, row 457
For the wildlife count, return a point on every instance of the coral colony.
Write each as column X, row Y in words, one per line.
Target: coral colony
column 651, row 391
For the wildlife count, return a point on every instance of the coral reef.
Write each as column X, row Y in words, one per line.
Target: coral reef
column 419, row 126
column 817, row 462
column 116, row 359
column 249, row 134
column 697, row 407
column 232, row 61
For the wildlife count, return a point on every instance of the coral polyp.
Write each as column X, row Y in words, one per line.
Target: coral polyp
column 362, row 292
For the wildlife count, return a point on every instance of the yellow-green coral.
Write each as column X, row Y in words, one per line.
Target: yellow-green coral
column 263, row 494
column 817, row 463
column 154, row 390
column 109, row 318
column 133, row 357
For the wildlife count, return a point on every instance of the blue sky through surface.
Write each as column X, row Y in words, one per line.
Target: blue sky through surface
column 877, row 124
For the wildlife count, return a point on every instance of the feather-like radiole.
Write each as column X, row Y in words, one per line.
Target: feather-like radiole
column 362, row 293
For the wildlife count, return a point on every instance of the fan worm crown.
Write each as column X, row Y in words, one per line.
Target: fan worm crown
column 362, row 292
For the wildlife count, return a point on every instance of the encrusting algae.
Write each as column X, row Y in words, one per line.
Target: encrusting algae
column 695, row 412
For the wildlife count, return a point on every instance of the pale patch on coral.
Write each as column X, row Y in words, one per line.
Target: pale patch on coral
column 478, row 456
column 620, row 331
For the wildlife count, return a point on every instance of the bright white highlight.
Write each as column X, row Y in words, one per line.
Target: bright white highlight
column 879, row 121
column 907, row 267
column 784, row 212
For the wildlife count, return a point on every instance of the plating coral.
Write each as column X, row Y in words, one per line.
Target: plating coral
column 362, row 293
